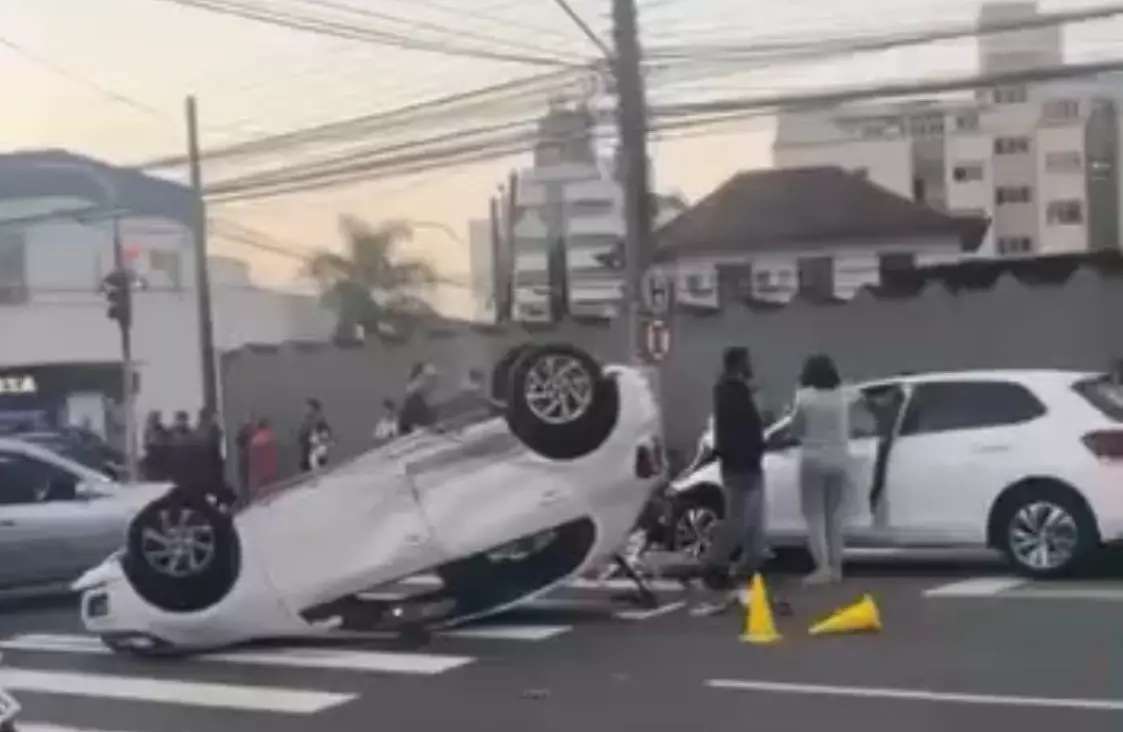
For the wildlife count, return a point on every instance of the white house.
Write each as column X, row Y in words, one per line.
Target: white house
column 57, row 216
column 1040, row 160
column 824, row 232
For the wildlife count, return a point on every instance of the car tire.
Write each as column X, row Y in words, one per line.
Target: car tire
column 559, row 402
column 1018, row 526
column 699, row 510
column 501, row 374
column 196, row 580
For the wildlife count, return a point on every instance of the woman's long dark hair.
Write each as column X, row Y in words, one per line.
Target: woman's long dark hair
column 819, row 372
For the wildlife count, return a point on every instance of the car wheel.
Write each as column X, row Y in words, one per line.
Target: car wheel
column 559, row 402
column 182, row 553
column 695, row 520
column 1045, row 531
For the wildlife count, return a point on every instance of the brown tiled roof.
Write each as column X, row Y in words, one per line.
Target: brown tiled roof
column 765, row 209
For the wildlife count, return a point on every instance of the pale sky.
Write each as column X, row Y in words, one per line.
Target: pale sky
column 250, row 78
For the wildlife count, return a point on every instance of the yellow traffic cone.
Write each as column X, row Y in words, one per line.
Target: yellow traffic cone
column 760, row 627
column 859, row 617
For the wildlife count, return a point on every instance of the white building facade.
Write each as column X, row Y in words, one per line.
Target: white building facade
column 559, row 247
column 55, row 252
column 1040, row 160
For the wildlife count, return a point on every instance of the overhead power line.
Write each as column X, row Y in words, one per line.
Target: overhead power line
column 318, row 26
column 406, row 159
column 365, row 12
column 407, row 117
column 48, row 64
column 794, row 48
column 834, row 97
column 584, row 27
column 348, row 128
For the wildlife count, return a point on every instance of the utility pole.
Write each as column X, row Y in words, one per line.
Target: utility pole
column 509, row 258
column 632, row 121
column 119, row 288
column 557, row 256
column 496, row 254
column 202, row 275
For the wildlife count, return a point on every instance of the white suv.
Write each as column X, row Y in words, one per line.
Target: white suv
column 1026, row 462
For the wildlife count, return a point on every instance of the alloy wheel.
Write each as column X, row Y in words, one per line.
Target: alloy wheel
column 1043, row 536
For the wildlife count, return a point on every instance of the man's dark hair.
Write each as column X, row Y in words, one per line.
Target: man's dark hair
column 735, row 360
column 389, row 405
column 819, row 372
column 314, row 404
column 416, row 370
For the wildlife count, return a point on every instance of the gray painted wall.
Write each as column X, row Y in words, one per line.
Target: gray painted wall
column 1075, row 324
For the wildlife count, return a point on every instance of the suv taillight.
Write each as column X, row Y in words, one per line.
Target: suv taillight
column 1105, row 444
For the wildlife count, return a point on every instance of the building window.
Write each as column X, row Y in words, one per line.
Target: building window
column 1013, row 245
column 1060, row 109
column 1011, row 145
column 1065, row 212
column 967, row 122
column 816, row 276
column 890, row 264
column 965, row 172
column 589, row 208
column 1012, row 194
column 13, row 268
column 1011, row 95
column 928, row 125
column 1068, row 161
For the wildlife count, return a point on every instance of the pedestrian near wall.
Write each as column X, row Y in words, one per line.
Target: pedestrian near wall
column 821, row 424
column 739, row 444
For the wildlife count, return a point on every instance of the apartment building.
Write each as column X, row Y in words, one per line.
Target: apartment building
column 1041, row 161
column 567, row 225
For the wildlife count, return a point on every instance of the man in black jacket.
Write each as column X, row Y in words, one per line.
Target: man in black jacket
column 739, row 444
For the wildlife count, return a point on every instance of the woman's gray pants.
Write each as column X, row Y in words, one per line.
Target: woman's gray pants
column 822, row 492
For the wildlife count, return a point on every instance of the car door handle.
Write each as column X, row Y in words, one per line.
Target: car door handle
column 990, row 448
column 7, row 523
column 551, row 497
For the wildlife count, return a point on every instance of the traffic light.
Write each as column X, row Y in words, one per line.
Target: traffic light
column 118, row 290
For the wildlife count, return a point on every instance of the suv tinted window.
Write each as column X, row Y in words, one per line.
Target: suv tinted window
column 26, row 480
column 1103, row 394
column 958, row 405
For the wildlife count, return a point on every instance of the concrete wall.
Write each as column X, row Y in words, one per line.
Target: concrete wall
column 1011, row 324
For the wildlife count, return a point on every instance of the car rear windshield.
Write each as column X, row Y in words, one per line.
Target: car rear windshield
column 1104, row 394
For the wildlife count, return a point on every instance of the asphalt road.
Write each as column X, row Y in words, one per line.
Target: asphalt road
column 962, row 648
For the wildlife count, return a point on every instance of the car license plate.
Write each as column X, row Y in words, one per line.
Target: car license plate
column 9, row 707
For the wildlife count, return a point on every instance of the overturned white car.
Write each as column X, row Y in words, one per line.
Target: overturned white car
column 502, row 508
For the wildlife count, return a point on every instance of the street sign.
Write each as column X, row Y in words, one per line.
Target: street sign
column 657, row 293
column 657, row 340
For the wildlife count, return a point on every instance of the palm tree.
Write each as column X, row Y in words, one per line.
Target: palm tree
column 370, row 284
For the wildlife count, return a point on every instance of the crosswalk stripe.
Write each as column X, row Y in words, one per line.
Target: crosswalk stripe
column 160, row 691
column 976, row 587
column 43, row 727
column 323, row 658
column 509, row 632
column 614, row 584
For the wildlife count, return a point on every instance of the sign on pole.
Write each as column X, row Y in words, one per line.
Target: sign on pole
column 657, row 340
column 657, row 293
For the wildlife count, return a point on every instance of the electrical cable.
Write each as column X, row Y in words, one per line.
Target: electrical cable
column 55, row 68
column 584, row 28
column 309, row 24
column 803, row 50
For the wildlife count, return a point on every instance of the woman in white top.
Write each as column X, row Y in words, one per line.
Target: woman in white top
column 821, row 423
